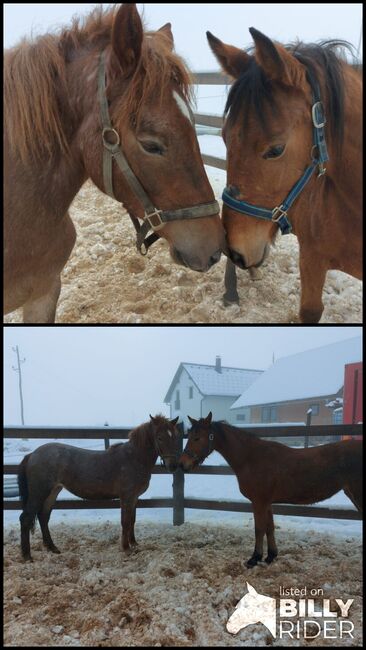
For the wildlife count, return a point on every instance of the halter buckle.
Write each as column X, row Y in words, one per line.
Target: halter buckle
column 317, row 112
column 280, row 212
column 154, row 219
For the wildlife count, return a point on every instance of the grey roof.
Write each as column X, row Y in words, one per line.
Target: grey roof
column 312, row 373
column 228, row 382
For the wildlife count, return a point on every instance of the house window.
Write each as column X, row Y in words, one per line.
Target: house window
column 177, row 401
column 269, row 414
column 337, row 416
column 314, row 408
column 241, row 417
column 190, row 392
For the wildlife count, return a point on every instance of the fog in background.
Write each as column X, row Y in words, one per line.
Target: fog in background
column 90, row 375
column 230, row 22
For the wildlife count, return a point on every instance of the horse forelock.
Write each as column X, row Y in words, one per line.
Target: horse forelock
column 35, row 87
column 143, row 435
column 253, row 91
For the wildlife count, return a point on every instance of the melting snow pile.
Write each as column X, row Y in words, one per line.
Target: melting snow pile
column 177, row 589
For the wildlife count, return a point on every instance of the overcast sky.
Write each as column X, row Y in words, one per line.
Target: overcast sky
column 89, row 375
column 230, row 22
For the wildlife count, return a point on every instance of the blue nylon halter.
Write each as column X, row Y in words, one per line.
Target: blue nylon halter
column 278, row 214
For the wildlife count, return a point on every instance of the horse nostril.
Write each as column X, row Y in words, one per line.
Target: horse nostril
column 214, row 258
column 237, row 258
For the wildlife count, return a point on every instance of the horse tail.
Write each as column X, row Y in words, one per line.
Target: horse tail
column 23, row 487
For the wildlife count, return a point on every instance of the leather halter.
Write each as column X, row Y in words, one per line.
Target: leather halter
column 206, row 452
column 153, row 219
column 278, row 214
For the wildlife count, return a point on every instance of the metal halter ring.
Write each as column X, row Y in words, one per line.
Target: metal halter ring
column 154, row 219
column 280, row 212
column 108, row 145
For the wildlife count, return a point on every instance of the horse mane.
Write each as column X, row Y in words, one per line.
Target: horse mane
column 141, row 436
column 35, row 85
column 221, row 426
column 254, row 91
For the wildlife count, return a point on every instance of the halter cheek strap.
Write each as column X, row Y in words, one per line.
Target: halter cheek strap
column 153, row 218
column 206, row 452
column 278, row 214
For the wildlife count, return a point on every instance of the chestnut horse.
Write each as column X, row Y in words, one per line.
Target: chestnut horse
column 106, row 101
column 123, row 471
column 269, row 472
column 292, row 111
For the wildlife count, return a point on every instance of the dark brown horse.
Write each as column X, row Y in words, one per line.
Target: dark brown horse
column 123, row 471
column 278, row 150
column 102, row 100
column 269, row 472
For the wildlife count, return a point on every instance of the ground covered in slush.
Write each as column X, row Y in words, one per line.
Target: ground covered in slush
column 107, row 281
column 177, row 589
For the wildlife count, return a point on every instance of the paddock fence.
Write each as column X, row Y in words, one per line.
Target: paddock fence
column 178, row 502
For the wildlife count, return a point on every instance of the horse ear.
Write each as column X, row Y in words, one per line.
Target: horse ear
column 167, row 31
column 127, row 34
column 152, row 419
column 174, row 422
column 277, row 63
column 208, row 418
column 233, row 60
column 251, row 589
column 192, row 420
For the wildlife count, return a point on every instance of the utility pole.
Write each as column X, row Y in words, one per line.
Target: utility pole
column 19, row 371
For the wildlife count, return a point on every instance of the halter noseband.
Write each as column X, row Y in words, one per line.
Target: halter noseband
column 153, row 219
column 278, row 214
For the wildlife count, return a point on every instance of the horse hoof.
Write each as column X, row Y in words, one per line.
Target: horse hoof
column 54, row 549
column 230, row 300
column 269, row 559
column 27, row 558
column 251, row 563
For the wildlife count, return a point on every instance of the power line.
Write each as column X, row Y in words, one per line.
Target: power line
column 18, row 370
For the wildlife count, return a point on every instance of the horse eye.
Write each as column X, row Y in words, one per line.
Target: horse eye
column 152, row 147
column 274, row 152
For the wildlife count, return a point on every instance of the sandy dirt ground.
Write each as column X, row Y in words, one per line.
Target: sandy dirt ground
column 107, row 281
column 177, row 589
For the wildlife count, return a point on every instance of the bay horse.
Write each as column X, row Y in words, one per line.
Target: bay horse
column 123, row 471
column 270, row 472
column 104, row 100
column 293, row 110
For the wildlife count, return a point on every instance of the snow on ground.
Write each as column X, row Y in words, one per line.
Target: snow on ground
column 181, row 585
column 107, row 281
column 178, row 589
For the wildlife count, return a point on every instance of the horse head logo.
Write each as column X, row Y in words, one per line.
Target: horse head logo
column 253, row 608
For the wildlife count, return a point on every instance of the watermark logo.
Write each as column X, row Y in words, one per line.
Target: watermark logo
column 315, row 618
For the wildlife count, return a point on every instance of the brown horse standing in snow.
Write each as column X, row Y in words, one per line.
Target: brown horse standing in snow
column 106, row 101
column 293, row 135
column 123, row 471
column 270, row 472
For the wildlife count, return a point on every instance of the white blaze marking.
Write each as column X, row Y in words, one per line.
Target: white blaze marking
column 183, row 106
column 170, row 434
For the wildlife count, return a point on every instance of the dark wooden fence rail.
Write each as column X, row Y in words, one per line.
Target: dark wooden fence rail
column 179, row 502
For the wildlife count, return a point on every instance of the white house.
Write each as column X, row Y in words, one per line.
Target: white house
column 197, row 389
column 293, row 384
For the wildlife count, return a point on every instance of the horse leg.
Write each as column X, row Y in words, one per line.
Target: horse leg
column 354, row 492
column 272, row 547
column 126, row 521
column 312, row 274
column 44, row 516
column 260, row 522
column 132, row 539
column 43, row 309
column 27, row 520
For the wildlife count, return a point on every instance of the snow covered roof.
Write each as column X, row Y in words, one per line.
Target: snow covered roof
column 312, row 373
column 229, row 381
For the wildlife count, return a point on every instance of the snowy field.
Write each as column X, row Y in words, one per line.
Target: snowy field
column 181, row 585
column 107, row 281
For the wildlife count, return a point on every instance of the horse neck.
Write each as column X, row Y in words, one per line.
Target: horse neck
column 145, row 448
column 233, row 444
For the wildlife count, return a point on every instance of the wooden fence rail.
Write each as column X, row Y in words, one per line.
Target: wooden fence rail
column 178, row 502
